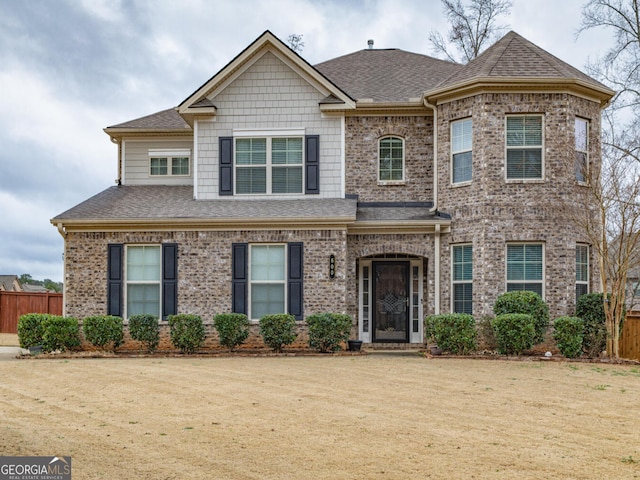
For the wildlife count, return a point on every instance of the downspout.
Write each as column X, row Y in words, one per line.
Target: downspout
column 435, row 154
column 434, row 209
column 62, row 232
column 119, row 143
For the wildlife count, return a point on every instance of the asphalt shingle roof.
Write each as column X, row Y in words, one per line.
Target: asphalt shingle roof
column 515, row 56
column 389, row 75
column 132, row 202
column 165, row 120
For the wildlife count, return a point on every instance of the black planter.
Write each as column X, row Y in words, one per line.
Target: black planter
column 354, row 345
column 35, row 350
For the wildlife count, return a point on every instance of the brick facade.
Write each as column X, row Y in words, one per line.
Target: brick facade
column 361, row 152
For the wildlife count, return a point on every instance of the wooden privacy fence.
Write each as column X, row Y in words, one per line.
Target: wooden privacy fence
column 15, row 304
column 630, row 336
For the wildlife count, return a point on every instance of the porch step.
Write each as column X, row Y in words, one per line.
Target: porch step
column 393, row 347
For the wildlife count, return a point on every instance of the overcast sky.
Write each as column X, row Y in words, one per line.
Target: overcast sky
column 69, row 68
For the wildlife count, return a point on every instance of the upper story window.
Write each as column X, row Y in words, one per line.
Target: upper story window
column 269, row 165
column 461, row 150
column 525, row 267
column 524, row 147
column 582, row 149
column 391, row 159
column 169, row 162
column 582, row 270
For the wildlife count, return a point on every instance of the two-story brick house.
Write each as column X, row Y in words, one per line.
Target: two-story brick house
column 384, row 184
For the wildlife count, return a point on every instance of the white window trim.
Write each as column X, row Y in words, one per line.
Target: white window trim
column 127, row 282
column 586, row 152
column 170, row 154
column 543, row 281
column 542, row 149
column 272, row 282
column 455, row 152
column 268, row 165
column 392, row 182
column 459, row 282
column 585, row 282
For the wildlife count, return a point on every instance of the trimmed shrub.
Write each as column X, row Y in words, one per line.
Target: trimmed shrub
column 144, row 328
column 590, row 308
column 30, row 329
column 328, row 331
column 278, row 330
column 525, row 302
column 486, row 334
column 568, row 336
column 60, row 333
column 515, row 332
column 453, row 332
column 187, row 332
column 102, row 330
column 233, row 329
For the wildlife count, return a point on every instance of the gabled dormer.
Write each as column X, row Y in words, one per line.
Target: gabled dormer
column 262, row 130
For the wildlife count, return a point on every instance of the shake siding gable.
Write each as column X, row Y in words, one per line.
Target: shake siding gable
column 269, row 95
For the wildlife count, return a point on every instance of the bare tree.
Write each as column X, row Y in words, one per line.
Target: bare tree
column 473, row 28
column 295, row 42
column 615, row 231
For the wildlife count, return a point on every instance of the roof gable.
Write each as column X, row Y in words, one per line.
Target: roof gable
column 196, row 103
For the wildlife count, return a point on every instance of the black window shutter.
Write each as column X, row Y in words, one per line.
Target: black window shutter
column 114, row 279
column 239, row 269
column 169, row 279
column 226, row 166
column 312, row 164
column 295, row 279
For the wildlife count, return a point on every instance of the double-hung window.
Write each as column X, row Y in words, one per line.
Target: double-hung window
column 391, row 159
column 524, row 147
column 582, row 270
column 169, row 162
column 461, row 150
column 143, row 280
column 582, row 149
column 268, row 280
column 268, row 165
column 525, row 267
column 462, row 279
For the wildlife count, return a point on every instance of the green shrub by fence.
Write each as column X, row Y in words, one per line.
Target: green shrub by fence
column 60, row 333
column 590, row 308
column 31, row 329
column 568, row 335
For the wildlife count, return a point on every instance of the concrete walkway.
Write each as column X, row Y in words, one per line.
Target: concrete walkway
column 10, row 347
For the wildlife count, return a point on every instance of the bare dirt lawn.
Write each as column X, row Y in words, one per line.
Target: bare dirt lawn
column 360, row 417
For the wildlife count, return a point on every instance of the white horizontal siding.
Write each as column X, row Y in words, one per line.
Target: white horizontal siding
column 136, row 161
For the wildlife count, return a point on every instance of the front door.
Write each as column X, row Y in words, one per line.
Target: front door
column 390, row 301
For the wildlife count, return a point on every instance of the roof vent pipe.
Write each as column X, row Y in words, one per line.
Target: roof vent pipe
column 370, row 43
